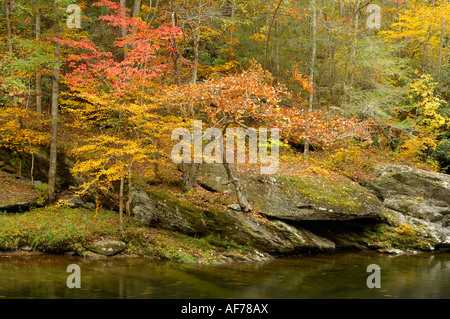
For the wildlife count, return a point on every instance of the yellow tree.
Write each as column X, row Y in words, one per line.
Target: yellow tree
column 427, row 122
column 118, row 102
column 419, row 31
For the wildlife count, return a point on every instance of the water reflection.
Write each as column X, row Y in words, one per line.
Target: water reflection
column 330, row 276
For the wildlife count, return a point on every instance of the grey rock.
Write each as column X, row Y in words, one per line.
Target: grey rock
column 430, row 233
column 235, row 207
column 64, row 178
column 39, row 184
column 107, row 247
column 263, row 235
column 22, row 205
column 8, row 169
column 75, row 201
column 294, row 198
column 419, row 197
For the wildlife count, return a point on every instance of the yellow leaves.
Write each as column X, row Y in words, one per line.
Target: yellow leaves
column 406, row 229
column 418, row 25
column 427, row 103
column 258, row 37
column 19, row 129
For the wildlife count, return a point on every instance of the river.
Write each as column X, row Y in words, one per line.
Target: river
column 339, row 275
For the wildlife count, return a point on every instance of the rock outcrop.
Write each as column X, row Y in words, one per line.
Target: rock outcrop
column 273, row 237
column 296, row 199
column 64, row 178
column 401, row 209
column 417, row 197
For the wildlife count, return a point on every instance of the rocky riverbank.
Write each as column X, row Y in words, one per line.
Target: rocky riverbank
column 402, row 209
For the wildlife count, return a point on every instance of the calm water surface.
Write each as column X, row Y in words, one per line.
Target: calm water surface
column 341, row 275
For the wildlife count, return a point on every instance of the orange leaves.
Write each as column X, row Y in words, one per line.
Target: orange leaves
column 238, row 97
column 250, row 98
column 303, row 80
column 320, row 128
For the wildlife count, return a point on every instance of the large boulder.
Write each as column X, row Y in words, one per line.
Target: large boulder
column 417, row 197
column 17, row 195
column 298, row 198
column 22, row 162
column 414, row 192
column 274, row 237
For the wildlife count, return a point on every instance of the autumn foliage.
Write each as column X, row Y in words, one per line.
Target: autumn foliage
column 130, row 77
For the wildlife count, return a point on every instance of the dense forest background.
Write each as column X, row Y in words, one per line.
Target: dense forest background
column 108, row 81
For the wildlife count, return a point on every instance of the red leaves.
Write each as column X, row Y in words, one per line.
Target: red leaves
column 93, row 68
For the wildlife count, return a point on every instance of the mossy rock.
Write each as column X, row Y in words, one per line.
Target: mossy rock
column 160, row 210
column 299, row 198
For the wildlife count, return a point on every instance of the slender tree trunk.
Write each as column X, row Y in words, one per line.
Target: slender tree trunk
column 9, row 28
column 10, row 36
column 176, row 52
column 441, row 42
column 38, row 76
column 277, row 53
column 447, row 50
column 123, row 30
column 122, row 186
column 355, row 36
column 269, row 33
column 32, row 168
column 232, row 179
column 136, row 10
column 54, row 110
column 313, row 62
column 196, row 56
column 233, row 16
column 147, row 18
column 129, row 201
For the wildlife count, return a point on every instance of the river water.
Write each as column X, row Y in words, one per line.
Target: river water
column 340, row 275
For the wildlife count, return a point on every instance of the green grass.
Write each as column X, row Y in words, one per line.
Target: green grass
column 58, row 229
column 55, row 228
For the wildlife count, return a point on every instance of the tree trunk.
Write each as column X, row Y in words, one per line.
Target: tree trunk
column 441, row 43
column 54, row 111
column 277, row 53
column 242, row 201
column 10, row 35
column 268, row 34
column 232, row 179
column 136, row 8
column 38, row 76
column 355, row 35
column 9, row 27
column 176, row 54
column 187, row 178
column 196, row 56
column 122, row 186
column 313, row 62
column 136, row 11
column 123, row 30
